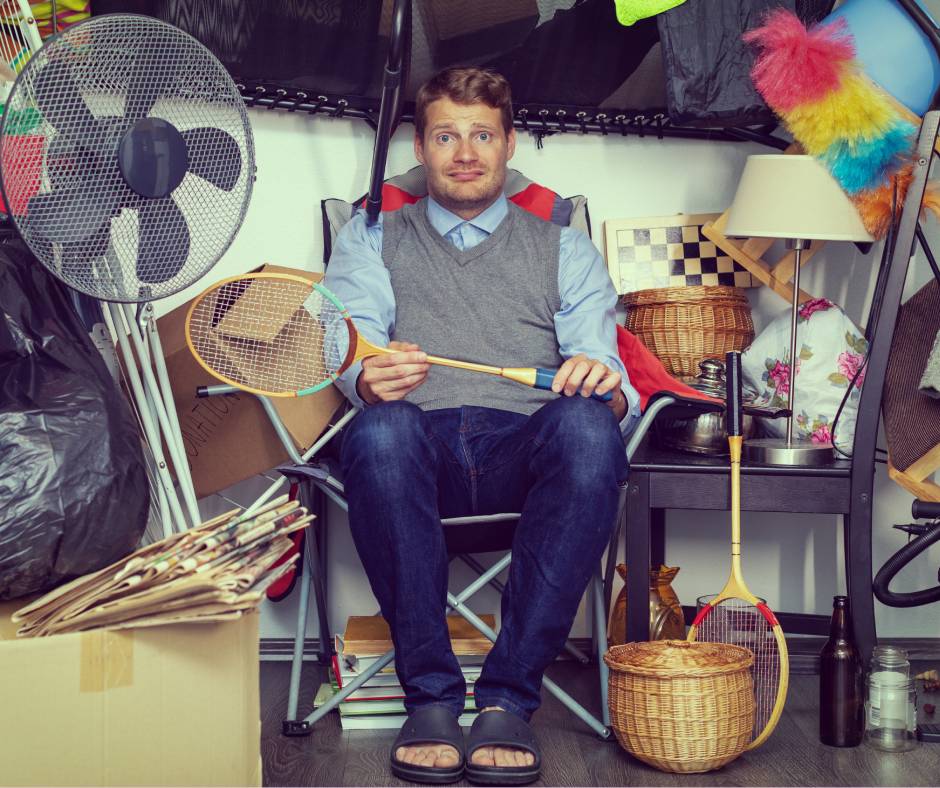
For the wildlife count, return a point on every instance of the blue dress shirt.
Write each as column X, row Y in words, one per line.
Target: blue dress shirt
column 586, row 322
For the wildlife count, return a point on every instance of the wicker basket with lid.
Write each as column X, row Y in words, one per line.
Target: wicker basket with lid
column 679, row 706
column 683, row 325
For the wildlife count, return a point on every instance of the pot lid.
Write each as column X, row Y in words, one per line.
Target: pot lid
column 711, row 378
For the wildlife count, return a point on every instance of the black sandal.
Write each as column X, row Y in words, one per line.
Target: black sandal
column 502, row 729
column 429, row 725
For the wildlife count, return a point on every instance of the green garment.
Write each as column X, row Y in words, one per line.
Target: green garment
column 630, row 11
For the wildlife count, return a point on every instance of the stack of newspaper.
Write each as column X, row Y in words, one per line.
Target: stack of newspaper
column 214, row 572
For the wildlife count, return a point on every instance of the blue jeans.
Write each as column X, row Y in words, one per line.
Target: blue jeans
column 405, row 469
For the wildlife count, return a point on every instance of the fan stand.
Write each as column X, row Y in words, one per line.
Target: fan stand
column 153, row 400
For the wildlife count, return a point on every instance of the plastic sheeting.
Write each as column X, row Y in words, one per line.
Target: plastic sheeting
column 707, row 65
column 74, row 495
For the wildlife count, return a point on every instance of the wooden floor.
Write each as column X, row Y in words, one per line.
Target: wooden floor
column 573, row 755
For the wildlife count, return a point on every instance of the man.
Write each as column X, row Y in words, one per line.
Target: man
column 466, row 274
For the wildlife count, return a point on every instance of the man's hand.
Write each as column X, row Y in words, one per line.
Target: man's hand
column 580, row 373
column 392, row 376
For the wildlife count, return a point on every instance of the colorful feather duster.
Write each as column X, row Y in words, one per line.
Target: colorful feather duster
column 865, row 138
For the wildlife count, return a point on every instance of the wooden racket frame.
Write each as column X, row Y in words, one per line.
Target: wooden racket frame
column 736, row 588
column 359, row 347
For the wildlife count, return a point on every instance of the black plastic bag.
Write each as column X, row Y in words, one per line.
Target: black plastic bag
column 708, row 66
column 74, row 494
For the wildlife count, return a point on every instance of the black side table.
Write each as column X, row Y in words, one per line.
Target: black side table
column 662, row 479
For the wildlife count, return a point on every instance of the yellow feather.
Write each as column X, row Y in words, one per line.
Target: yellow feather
column 859, row 110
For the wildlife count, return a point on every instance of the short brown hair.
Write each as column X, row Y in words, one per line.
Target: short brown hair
column 465, row 85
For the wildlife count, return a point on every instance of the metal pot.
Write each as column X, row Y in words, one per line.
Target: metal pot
column 705, row 434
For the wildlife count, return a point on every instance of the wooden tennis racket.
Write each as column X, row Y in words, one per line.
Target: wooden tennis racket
column 281, row 335
column 735, row 615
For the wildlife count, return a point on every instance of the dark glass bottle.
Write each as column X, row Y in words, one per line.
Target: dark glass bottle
column 841, row 701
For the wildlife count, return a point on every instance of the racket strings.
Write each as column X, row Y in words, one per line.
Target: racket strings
column 270, row 335
column 740, row 623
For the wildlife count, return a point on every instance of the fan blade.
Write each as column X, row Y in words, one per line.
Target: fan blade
column 62, row 104
column 66, row 163
column 163, row 244
column 214, row 155
column 68, row 215
column 78, row 256
column 148, row 79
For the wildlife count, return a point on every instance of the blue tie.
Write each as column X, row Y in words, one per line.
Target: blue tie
column 457, row 236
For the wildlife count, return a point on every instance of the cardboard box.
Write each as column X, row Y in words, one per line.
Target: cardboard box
column 167, row 705
column 228, row 438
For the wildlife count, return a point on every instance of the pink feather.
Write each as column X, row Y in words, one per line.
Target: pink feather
column 798, row 65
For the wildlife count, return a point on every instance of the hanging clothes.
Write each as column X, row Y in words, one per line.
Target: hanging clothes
column 708, row 65
column 630, row 11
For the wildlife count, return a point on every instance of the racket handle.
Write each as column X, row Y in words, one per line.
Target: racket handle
column 544, row 378
column 734, row 392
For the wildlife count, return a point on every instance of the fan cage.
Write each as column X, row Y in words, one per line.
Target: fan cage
column 71, row 105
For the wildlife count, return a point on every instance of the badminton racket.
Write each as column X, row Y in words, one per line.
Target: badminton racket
column 735, row 615
column 281, row 335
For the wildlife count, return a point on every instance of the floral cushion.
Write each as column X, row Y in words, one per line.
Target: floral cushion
column 831, row 353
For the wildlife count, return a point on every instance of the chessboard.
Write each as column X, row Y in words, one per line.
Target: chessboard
column 668, row 251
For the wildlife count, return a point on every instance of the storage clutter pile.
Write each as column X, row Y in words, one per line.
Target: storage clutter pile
column 214, row 572
column 163, row 640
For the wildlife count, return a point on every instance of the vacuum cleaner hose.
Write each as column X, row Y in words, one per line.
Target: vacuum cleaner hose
column 920, row 509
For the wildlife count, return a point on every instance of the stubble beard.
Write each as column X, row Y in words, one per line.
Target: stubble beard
column 469, row 196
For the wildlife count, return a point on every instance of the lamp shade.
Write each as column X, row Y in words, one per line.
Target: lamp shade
column 794, row 197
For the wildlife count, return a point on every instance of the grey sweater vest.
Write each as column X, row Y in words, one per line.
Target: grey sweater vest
column 492, row 304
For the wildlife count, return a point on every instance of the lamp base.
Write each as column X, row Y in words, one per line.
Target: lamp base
column 776, row 451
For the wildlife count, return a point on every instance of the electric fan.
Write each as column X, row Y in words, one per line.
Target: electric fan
column 140, row 175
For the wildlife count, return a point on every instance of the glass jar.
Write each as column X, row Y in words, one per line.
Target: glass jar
column 891, row 701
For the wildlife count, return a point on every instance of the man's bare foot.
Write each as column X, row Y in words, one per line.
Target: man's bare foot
column 500, row 756
column 441, row 756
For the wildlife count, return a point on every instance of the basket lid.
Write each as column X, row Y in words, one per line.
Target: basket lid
column 709, row 295
column 678, row 658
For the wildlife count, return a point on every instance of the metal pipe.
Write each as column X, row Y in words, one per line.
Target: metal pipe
column 390, row 107
column 154, row 397
column 184, row 474
column 798, row 245
column 300, row 632
column 600, row 633
column 151, row 431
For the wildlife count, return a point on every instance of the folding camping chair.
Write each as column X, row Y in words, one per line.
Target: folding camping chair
column 660, row 394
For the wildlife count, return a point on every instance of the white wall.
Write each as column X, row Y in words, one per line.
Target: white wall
column 794, row 560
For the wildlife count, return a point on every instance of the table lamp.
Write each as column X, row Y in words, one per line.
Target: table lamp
column 796, row 199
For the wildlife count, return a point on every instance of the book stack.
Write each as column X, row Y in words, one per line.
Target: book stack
column 215, row 572
column 379, row 703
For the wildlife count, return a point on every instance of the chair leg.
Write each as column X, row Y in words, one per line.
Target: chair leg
column 637, row 549
column 600, row 636
column 288, row 726
column 316, row 566
column 303, row 727
column 477, row 567
column 610, row 569
column 458, row 606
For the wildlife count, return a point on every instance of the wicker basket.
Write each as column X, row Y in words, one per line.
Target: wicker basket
column 683, row 325
column 679, row 706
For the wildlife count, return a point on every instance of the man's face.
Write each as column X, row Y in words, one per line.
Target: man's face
column 464, row 151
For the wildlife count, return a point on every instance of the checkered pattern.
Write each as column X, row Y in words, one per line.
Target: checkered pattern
column 677, row 256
